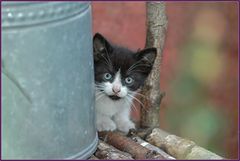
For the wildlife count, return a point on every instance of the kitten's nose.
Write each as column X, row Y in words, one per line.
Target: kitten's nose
column 116, row 89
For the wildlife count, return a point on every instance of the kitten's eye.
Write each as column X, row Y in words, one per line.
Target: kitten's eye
column 107, row 76
column 129, row 80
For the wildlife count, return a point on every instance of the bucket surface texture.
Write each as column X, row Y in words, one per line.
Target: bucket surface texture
column 47, row 81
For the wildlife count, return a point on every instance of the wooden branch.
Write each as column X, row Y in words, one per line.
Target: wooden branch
column 105, row 151
column 156, row 29
column 179, row 147
column 125, row 144
column 152, row 147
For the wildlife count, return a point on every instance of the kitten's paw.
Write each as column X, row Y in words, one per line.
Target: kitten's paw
column 106, row 125
column 125, row 126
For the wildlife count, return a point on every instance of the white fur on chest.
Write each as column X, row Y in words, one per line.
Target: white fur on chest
column 109, row 107
column 113, row 114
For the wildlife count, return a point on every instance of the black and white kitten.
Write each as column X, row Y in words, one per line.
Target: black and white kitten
column 119, row 74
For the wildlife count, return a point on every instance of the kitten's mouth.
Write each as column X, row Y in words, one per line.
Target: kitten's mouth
column 114, row 97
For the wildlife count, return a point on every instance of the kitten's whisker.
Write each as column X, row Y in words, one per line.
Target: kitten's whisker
column 109, row 60
column 134, row 65
column 139, row 102
column 143, row 96
column 139, row 94
column 99, row 87
column 140, row 71
column 98, row 84
column 134, row 107
column 138, row 65
column 131, row 104
column 144, row 65
column 127, row 100
column 136, row 93
column 136, row 99
column 100, row 96
column 97, row 94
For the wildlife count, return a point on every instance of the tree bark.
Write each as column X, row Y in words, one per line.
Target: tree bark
column 156, row 30
column 125, row 144
column 152, row 147
column 105, row 151
column 179, row 147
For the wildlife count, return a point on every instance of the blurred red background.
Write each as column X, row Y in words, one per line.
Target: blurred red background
column 199, row 72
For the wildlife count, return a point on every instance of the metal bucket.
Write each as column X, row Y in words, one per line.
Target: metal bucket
column 47, row 81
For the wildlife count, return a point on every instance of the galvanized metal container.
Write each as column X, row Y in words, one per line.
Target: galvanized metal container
column 47, row 81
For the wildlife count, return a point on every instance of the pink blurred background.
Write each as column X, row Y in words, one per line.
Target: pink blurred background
column 199, row 72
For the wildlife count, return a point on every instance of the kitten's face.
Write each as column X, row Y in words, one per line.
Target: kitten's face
column 119, row 72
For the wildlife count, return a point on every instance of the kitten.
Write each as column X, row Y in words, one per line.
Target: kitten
column 119, row 74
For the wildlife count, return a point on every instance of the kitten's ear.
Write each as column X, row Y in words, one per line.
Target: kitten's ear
column 100, row 46
column 147, row 55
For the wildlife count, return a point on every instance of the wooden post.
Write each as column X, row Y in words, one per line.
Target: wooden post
column 156, row 29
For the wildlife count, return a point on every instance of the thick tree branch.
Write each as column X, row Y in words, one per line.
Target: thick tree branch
column 179, row 147
column 156, row 30
column 105, row 151
column 152, row 147
column 125, row 144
